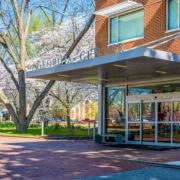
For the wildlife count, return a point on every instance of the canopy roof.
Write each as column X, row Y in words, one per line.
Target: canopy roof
column 119, row 8
column 128, row 67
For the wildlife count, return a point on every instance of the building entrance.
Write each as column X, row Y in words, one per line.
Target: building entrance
column 153, row 120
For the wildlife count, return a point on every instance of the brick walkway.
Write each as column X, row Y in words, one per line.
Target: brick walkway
column 24, row 158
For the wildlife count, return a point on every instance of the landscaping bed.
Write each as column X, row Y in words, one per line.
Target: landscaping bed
column 68, row 137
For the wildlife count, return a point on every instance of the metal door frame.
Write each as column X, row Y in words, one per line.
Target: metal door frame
column 156, row 101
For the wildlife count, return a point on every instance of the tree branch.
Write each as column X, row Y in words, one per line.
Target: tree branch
column 80, row 36
column 65, row 7
column 9, row 49
column 28, row 20
column 10, row 73
column 6, row 102
column 15, row 7
column 39, row 99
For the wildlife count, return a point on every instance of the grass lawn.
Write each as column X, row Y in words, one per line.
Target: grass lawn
column 36, row 131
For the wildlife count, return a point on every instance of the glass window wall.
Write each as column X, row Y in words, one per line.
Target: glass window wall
column 115, row 110
column 154, row 88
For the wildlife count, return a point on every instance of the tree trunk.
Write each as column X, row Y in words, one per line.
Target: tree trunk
column 22, row 97
column 22, row 127
column 68, row 118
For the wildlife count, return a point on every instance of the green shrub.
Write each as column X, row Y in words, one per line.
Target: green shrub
column 56, row 126
column 78, row 127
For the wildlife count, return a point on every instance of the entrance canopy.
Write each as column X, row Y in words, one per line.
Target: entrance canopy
column 128, row 67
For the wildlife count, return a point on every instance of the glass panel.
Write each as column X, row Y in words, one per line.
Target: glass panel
column 115, row 122
column 176, row 111
column 131, row 25
column 148, row 133
column 139, row 91
column 134, row 112
column 173, row 7
column 176, row 133
column 164, row 132
column 154, row 88
column 134, row 132
column 148, row 112
column 113, row 30
column 164, row 111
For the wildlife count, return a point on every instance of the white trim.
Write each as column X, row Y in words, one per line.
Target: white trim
column 118, row 8
column 125, row 41
column 172, row 30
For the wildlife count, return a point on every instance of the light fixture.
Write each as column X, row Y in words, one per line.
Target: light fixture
column 63, row 75
column 117, row 65
column 103, row 79
column 162, row 72
column 83, row 79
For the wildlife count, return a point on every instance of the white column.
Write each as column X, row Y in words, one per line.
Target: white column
column 101, row 109
column 83, row 110
column 42, row 128
column 79, row 111
column 75, row 113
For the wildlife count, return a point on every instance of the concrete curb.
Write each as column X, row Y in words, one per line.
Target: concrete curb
column 145, row 162
column 30, row 137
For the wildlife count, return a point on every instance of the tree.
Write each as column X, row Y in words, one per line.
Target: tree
column 69, row 94
column 15, row 17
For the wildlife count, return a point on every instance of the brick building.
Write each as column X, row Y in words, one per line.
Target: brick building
column 136, row 67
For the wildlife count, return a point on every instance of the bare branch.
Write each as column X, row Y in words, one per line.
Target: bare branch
column 16, row 11
column 80, row 35
column 39, row 99
column 64, row 11
column 9, row 49
column 28, row 20
column 10, row 73
column 8, row 106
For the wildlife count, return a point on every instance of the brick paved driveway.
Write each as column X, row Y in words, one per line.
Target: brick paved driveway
column 24, row 158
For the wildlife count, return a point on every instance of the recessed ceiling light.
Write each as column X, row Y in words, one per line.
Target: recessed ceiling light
column 162, row 72
column 103, row 80
column 117, row 65
column 83, row 79
column 63, row 75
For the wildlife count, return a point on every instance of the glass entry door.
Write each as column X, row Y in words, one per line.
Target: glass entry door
column 133, row 127
column 141, row 124
column 148, row 121
column 153, row 121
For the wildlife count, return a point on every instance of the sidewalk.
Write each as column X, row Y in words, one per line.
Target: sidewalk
column 37, row 159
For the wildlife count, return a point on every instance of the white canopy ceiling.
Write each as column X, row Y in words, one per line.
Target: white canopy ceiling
column 118, row 8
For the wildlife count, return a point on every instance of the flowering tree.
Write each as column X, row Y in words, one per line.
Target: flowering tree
column 15, row 18
column 69, row 94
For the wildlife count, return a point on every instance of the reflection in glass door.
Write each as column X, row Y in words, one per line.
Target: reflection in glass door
column 148, row 121
column 134, row 125
column 164, row 121
column 176, row 122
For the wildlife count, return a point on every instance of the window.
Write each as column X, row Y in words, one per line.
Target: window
column 173, row 14
column 126, row 26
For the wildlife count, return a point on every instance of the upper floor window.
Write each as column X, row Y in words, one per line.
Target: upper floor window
column 173, row 14
column 127, row 26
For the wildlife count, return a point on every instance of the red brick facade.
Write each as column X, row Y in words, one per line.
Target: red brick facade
column 154, row 25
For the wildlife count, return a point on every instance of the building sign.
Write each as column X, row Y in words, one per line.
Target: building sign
column 84, row 55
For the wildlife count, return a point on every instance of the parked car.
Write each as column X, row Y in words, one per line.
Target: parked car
column 76, row 121
column 110, row 120
column 35, row 121
column 86, row 120
column 62, row 120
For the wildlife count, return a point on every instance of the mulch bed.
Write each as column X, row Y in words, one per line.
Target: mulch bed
column 69, row 137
